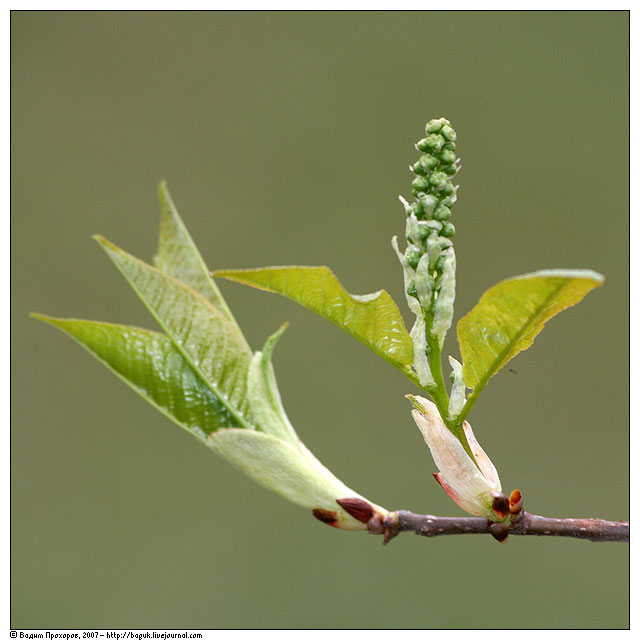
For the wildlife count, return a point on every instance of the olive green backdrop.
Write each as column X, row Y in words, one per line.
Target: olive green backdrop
column 285, row 138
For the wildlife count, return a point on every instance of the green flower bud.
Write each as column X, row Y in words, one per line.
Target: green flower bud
column 413, row 257
column 440, row 264
column 433, row 126
column 448, row 133
column 452, row 377
column 418, row 169
column 448, row 230
column 428, row 161
column 434, row 142
column 447, row 189
column 429, row 203
column 416, row 209
column 450, row 170
column 423, row 232
column 451, row 146
column 420, row 184
column 422, row 145
column 447, row 156
column 412, row 291
column 437, row 179
column 442, row 213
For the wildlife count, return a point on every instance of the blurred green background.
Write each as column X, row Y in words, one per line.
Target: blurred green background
column 285, row 138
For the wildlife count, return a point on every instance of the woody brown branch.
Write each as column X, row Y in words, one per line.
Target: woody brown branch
column 524, row 524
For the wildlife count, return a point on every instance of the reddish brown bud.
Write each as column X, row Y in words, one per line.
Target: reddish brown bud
column 328, row 517
column 499, row 530
column 500, row 505
column 389, row 534
column 359, row 509
column 515, row 502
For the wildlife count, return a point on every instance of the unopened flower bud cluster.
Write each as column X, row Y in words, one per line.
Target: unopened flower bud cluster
column 428, row 229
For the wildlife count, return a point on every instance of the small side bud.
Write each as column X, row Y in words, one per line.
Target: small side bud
column 499, row 530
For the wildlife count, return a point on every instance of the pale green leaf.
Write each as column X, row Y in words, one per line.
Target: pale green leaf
column 150, row 364
column 205, row 337
column 374, row 319
column 179, row 257
column 264, row 397
column 510, row 315
column 289, row 471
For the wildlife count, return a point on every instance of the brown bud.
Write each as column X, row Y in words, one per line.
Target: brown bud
column 359, row 509
column 389, row 534
column 328, row 517
column 515, row 502
column 499, row 530
column 500, row 505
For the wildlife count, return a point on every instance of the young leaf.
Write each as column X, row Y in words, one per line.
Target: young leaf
column 510, row 315
column 289, row 471
column 264, row 396
column 179, row 257
column 374, row 319
column 149, row 363
column 205, row 337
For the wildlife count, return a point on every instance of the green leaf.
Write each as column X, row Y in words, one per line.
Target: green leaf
column 264, row 396
column 289, row 471
column 374, row 319
column 179, row 257
column 149, row 363
column 204, row 336
column 510, row 315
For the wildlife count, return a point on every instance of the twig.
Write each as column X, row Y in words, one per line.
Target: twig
column 513, row 519
column 523, row 524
